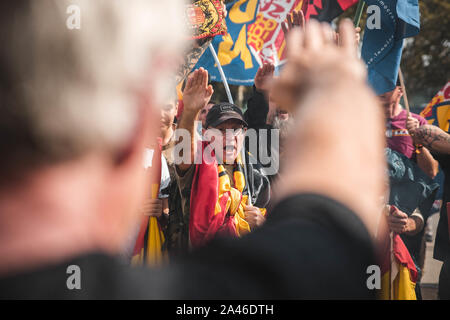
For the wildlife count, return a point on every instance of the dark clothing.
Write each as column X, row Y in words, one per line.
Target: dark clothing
column 310, row 247
column 256, row 118
column 444, row 281
column 257, row 111
column 176, row 232
column 410, row 188
column 442, row 241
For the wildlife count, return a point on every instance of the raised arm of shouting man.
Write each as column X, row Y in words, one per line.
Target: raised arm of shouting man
column 196, row 96
column 235, row 182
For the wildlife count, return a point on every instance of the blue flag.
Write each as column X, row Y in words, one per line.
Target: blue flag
column 388, row 23
column 254, row 37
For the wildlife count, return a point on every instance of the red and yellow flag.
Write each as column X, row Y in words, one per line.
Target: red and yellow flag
column 148, row 246
column 207, row 18
column 398, row 272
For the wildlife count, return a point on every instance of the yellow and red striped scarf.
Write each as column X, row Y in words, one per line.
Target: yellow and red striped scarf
column 236, row 197
column 215, row 206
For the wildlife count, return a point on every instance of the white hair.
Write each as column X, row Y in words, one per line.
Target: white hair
column 65, row 92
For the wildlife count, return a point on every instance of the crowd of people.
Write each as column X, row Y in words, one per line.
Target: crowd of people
column 279, row 201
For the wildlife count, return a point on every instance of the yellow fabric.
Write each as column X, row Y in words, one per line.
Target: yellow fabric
column 402, row 288
column 385, row 292
column 236, row 201
column 155, row 241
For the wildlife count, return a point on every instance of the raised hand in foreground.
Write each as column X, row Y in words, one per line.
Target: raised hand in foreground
column 314, row 59
column 337, row 147
column 293, row 20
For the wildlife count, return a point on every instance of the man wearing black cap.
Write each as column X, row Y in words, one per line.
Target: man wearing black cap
column 226, row 116
column 233, row 191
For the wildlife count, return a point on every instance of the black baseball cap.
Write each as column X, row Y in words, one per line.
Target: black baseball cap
column 222, row 112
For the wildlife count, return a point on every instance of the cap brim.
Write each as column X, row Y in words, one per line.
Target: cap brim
column 225, row 118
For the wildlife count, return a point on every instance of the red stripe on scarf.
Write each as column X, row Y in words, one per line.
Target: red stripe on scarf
column 204, row 224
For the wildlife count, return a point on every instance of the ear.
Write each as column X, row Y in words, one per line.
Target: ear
column 126, row 182
column 143, row 135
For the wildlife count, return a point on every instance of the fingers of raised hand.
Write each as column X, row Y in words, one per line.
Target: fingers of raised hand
column 199, row 77
column 294, row 19
column 195, row 79
column 347, row 37
column 327, row 33
column 267, row 69
column 189, row 82
column 270, row 69
column 295, row 43
column 209, row 91
column 204, row 79
column 285, row 29
column 259, row 73
column 299, row 18
column 357, row 35
column 289, row 21
column 313, row 36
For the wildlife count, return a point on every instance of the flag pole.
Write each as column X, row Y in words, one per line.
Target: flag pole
column 402, row 84
column 230, row 100
column 222, row 74
column 359, row 11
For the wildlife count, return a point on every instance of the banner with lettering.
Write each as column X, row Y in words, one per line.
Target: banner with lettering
column 254, row 37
